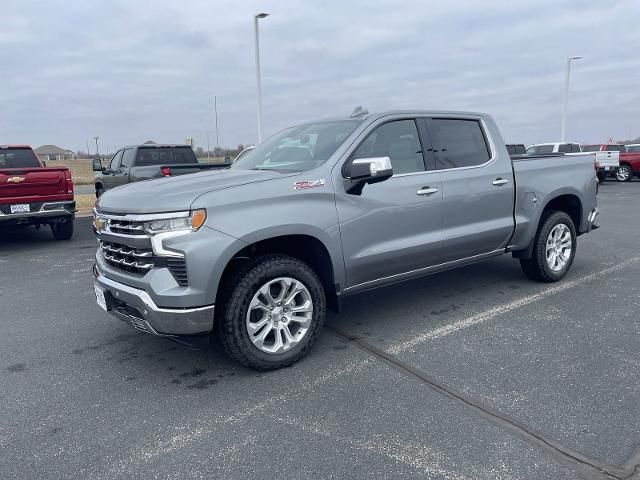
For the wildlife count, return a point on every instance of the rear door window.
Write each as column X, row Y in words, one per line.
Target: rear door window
column 458, row 143
column 575, row 148
column 564, row 148
column 183, row 155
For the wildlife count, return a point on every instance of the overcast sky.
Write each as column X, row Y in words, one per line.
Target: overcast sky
column 130, row 70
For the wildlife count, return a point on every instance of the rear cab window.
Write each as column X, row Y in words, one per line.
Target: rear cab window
column 18, row 158
column 540, row 149
column 156, row 156
column 615, row 148
column 458, row 143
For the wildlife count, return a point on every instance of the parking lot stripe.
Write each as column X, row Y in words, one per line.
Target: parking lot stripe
column 502, row 309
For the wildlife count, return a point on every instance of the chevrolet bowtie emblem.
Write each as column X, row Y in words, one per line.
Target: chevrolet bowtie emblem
column 15, row 179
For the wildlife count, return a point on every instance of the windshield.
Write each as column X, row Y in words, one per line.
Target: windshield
column 633, row 148
column 18, row 158
column 298, row 149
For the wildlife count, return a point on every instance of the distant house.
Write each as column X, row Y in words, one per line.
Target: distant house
column 53, row 152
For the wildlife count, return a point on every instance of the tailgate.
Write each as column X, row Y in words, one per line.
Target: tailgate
column 608, row 159
column 31, row 182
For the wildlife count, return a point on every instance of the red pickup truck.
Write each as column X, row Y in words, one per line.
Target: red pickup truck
column 629, row 164
column 629, row 159
column 32, row 194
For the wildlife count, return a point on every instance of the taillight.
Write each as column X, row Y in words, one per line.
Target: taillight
column 67, row 177
column 165, row 171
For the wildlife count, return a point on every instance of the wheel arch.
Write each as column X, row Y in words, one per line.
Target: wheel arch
column 563, row 201
column 303, row 246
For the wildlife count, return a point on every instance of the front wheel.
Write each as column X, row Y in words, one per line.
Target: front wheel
column 62, row 230
column 554, row 249
column 624, row 173
column 271, row 312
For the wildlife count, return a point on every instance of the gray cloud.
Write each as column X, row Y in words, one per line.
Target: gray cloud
column 133, row 70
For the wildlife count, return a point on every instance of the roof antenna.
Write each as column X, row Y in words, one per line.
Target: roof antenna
column 359, row 112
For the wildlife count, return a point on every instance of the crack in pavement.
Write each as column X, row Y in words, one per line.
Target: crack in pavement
column 495, row 417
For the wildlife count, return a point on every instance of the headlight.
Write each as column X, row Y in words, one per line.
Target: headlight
column 187, row 221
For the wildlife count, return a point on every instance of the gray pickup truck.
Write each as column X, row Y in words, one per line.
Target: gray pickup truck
column 145, row 162
column 256, row 253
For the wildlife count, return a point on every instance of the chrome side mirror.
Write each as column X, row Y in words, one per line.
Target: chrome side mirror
column 370, row 170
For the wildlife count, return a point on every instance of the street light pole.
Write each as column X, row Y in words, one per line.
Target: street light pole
column 207, row 144
column 563, row 128
column 97, row 152
column 215, row 109
column 256, row 17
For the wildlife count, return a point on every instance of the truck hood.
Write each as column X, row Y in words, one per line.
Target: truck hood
column 174, row 194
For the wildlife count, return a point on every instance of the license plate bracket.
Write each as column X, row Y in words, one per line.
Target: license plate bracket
column 101, row 298
column 20, row 208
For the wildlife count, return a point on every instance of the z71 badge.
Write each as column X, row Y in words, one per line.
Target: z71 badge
column 306, row 184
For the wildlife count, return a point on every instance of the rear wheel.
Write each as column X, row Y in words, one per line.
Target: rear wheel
column 624, row 173
column 553, row 250
column 62, row 230
column 601, row 176
column 272, row 312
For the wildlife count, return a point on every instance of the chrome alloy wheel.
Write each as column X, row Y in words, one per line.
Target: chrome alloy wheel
column 558, row 249
column 279, row 315
column 623, row 174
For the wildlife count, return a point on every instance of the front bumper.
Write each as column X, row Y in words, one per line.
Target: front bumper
column 135, row 307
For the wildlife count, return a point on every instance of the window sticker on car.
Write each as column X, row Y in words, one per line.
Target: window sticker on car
column 306, row 184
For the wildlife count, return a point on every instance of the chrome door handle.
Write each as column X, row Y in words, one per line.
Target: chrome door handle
column 426, row 191
column 500, row 181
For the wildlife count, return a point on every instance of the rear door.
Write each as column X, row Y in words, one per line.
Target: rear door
column 395, row 226
column 477, row 185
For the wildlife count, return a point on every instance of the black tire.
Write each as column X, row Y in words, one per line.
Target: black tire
column 99, row 191
column 62, row 230
column 601, row 176
column 536, row 267
column 624, row 173
column 235, row 296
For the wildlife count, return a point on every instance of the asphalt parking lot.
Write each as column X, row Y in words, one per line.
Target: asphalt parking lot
column 476, row 373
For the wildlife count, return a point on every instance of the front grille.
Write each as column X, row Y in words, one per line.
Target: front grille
column 141, row 260
column 122, row 257
column 126, row 227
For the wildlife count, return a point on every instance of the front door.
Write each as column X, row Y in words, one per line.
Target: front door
column 395, row 226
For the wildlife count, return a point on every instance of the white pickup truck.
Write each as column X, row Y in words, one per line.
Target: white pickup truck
column 606, row 162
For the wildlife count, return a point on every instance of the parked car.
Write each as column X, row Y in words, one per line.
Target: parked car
column 32, row 194
column 325, row 210
column 607, row 158
column 629, row 164
column 516, row 149
column 145, row 162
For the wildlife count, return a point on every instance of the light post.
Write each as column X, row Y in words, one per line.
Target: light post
column 207, row 145
column 566, row 98
column 257, row 17
column 97, row 152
